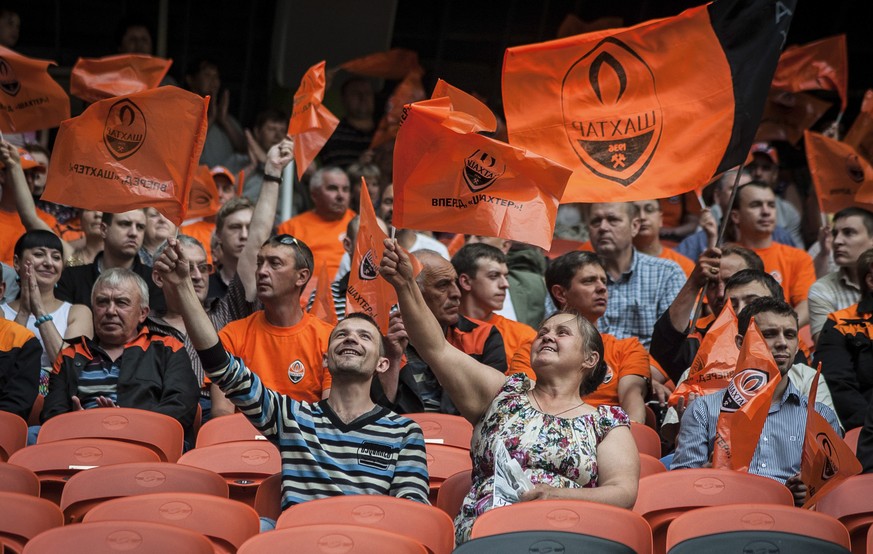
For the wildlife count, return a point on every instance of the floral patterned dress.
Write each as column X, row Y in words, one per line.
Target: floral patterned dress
column 556, row 451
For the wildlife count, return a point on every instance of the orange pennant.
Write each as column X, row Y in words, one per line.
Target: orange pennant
column 409, row 90
column 716, row 358
column 311, row 123
column 30, row 99
column 841, row 177
column 203, row 198
column 745, row 404
column 630, row 109
column 132, row 152
column 323, row 306
column 445, row 180
column 827, row 460
column 819, row 65
column 394, row 64
column 368, row 292
column 860, row 135
column 787, row 115
column 96, row 79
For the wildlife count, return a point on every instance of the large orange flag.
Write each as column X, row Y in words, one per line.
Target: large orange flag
column 819, row 65
column 131, row 152
column 394, row 64
column 838, row 173
column 408, row 91
column 650, row 111
column 716, row 359
column 827, row 460
column 311, row 123
column 745, row 404
column 447, row 177
column 788, row 114
column 96, row 79
column 323, row 306
column 30, row 99
column 860, row 135
column 203, row 196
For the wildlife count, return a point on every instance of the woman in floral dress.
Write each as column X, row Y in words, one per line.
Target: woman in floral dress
column 567, row 449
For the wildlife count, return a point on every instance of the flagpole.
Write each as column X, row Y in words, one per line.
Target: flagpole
column 287, row 191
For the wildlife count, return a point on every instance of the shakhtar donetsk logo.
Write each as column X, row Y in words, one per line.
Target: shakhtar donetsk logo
column 8, row 80
column 854, row 168
column 125, row 129
column 611, row 113
column 481, row 169
column 743, row 386
column 368, row 270
column 296, row 371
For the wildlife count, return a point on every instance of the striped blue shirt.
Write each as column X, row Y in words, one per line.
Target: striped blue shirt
column 779, row 448
column 99, row 377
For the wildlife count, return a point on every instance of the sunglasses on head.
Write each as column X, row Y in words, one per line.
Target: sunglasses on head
column 288, row 240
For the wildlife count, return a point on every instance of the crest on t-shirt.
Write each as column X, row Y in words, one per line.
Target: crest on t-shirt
column 607, row 377
column 296, row 371
column 376, row 455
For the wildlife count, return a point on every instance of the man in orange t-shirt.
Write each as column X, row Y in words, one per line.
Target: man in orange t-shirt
column 324, row 227
column 482, row 280
column 754, row 215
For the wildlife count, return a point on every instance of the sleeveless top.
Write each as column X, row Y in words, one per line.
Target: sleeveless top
column 59, row 318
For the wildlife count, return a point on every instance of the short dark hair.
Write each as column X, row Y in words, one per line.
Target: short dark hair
column 466, row 260
column 270, row 114
column 753, row 260
column 746, row 276
column 107, row 217
column 303, row 258
column 37, row 238
column 865, row 215
column 741, row 188
column 235, row 204
column 562, row 269
column 864, row 267
column 369, row 319
column 764, row 304
column 129, row 23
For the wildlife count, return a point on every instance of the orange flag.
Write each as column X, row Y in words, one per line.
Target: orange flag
column 838, row 173
column 323, row 307
column 787, row 115
column 631, row 110
column 30, row 99
column 745, row 404
column 394, row 64
column 716, row 358
column 96, row 79
column 463, row 102
column 132, row 152
column 368, row 292
column 819, row 65
column 408, row 91
column 311, row 123
column 860, row 135
column 203, row 198
column 827, row 460
column 447, row 177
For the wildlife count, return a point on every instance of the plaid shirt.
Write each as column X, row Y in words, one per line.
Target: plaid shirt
column 639, row 297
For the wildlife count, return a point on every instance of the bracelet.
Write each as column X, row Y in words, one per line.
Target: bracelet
column 272, row 178
column 43, row 318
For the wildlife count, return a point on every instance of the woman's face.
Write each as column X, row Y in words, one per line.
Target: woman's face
column 91, row 222
column 558, row 344
column 47, row 265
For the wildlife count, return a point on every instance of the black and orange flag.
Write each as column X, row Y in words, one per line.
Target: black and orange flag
column 131, row 152
column 368, row 292
column 96, row 79
column 203, row 195
column 788, row 114
column 716, row 358
column 826, row 460
column 409, row 90
column 448, row 177
column 30, row 99
column 838, row 173
column 311, row 123
column 745, row 404
column 323, row 306
column 819, row 65
column 860, row 135
column 649, row 111
column 393, row 64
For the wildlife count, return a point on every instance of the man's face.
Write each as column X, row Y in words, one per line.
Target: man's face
column 118, row 313
column 490, row 285
column 353, row 350
column 650, row 219
column 763, row 169
column 36, row 176
column 123, row 237
column 331, row 199
column 386, row 204
column 851, row 239
column 780, row 334
column 729, row 265
column 740, row 296
column 440, row 290
column 158, row 228
column 200, row 270
column 359, row 100
column 586, row 294
column 226, row 189
column 277, row 275
column 755, row 214
column 10, row 27
column 235, row 233
column 136, row 40
column 270, row 133
column 206, row 81
column 611, row 229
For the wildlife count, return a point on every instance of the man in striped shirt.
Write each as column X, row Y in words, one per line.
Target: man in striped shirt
column 345, row 444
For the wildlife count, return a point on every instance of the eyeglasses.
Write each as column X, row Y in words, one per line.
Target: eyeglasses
column 204, row 269
column 288, row 240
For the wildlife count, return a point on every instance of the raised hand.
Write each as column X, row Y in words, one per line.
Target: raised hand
column 396, row 267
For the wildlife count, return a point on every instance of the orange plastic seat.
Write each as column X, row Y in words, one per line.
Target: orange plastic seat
column 753, row 519
column 55, row 462
column 351, row 539
column 13, row 434
column 112, row 537
column 574, row 516
column 850, row 503
column 161, row 433
column 86, row 489
column 664, row 496
column 851, row 439
column 243, row 464
column 268, row 499
column 443, row 462
column 14, row 478
column 425, row 524
column 451, row 494
column 450, row 430
column 227, row 523
column 648, row 440
column 23, row 517
column 229, row 428
column 650, row 465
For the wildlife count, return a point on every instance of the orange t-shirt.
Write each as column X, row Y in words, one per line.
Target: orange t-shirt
column 517, row 339
column 674, row 207
column 324, row 238
column 686, row 264
column 791, row 267
column 289, row 360
column 11, row 230
column 202, row 231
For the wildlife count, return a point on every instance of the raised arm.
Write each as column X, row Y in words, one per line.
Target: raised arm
column 471, row 385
